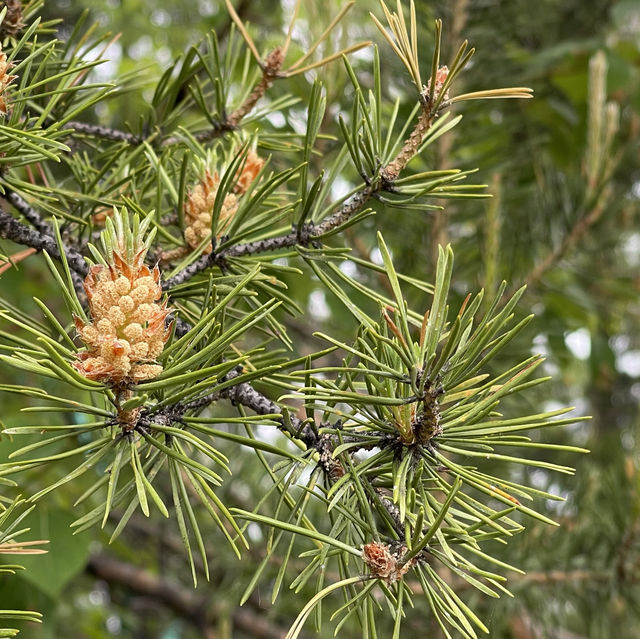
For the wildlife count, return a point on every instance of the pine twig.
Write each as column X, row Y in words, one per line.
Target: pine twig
column 30, row 214
column 309, row 232
column 248, row 396
column 218, row 129
column 426, row 118
column 16, row 231
column 270, row 71
column 104, row 132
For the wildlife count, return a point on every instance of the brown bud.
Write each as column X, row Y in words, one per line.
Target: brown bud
column 13, row 21
column 383, row 563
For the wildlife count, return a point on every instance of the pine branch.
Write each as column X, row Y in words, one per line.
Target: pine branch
column 248, row 396
column 12, row 229
column 426, row 119
column 270, row 71
column 309, row 435
column 242, row 393
column 104, row 132
column 16, row 231
column 30, row 214
column 309, row 232
column 303, row 237
column 324, row 445
column 218, row 129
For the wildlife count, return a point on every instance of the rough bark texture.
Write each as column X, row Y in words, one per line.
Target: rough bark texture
column 391, row 172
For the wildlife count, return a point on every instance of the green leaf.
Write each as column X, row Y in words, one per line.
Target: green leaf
column 67, row 554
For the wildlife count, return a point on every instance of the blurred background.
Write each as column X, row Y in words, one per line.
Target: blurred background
column 564, row 172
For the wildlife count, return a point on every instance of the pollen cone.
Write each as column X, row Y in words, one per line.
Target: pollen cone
column 198, row 207
column 198, row 211
column 128, row 329
column 5, row 79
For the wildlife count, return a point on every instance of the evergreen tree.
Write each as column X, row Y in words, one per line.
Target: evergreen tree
column 224, row 365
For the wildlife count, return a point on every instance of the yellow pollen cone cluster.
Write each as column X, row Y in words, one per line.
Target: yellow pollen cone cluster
column 198, row 207
column 248, row 172
column 5, row 80
column 128, row 330
column 198, row 211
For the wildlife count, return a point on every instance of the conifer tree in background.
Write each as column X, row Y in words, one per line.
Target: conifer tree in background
column 369, row 478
